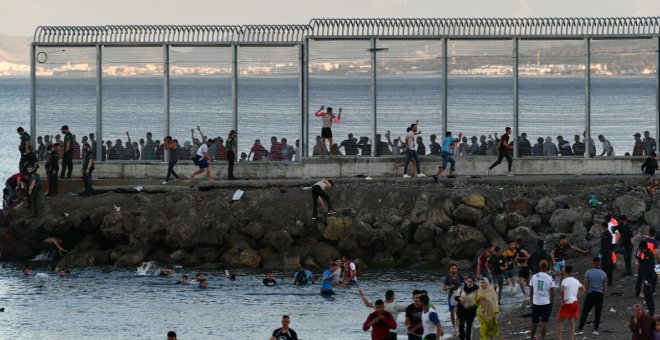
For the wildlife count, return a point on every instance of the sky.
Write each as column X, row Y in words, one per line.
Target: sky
column 21, row 17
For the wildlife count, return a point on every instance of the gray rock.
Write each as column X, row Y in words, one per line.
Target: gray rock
column 462, row 241
column 513, row 220
column 528, row 236
column 325, row 253
column 652, row 217
column 522, row 206
column 500, row 223
column 335, row 227
column 545, row 206
column 132, row 257
column 383, row 260
column 254, row 230
column 562, row 220
column 425, row 232
column 279, row 240
column 367, row 218
column 467, row 214
column 580, row 229
column 463, row 265
column 347, row 244
column 532, row 221
column 631, row 206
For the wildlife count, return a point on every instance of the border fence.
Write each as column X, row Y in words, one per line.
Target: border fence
column 544, row 77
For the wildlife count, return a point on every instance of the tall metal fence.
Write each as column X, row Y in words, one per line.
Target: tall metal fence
column 468, row 76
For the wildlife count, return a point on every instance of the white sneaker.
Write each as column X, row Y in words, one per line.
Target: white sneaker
column 406, row 176
column 594, row 332
column 487, row 171
column 579, row 333
column 510, row 174
column 421, row 175
column 163, row 182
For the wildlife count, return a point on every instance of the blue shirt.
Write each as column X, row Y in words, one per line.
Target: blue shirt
column 327, row 284
column 446, row 145
column 597, row 279
column 308, row 276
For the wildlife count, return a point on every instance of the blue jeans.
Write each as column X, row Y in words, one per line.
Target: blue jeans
column 447, row 158
column 411, row 154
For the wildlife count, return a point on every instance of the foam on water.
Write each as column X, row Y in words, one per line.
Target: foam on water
column 148, row 269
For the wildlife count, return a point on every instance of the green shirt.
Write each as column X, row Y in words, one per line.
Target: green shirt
column 34, row 177
column 230, row 143
column 68, row 138
column 25, row 137
column 150, row 149
column 88, row 156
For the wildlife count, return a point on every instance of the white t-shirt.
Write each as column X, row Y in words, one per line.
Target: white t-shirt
column 428, row 325
column 410, row 140
column 542, row 283
column 610, row 228
column 394, row 309
column 570, row 286
column 352, row 267
column 202, row 149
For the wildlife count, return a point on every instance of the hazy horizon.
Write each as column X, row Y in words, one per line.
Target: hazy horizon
column 20, row 18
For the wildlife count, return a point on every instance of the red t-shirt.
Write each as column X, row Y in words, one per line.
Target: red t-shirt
column 222, row 152
column 504, row 143
column 257, row 150
column 483, row 260
column 276, row 151
column 380, row 330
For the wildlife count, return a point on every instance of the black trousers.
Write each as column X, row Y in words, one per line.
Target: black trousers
column 170, row 170
column 231, row 158
column 648, row 296
column 87, row 180
column 465, row 327
column 499, row 160
column 607, row 267
column 67, row 163
column 593, row 300
column 316, row 193
column 33, row 199
column 52, row 182
column 627, row 258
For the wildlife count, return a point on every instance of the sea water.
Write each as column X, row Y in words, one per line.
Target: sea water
column 112, row 303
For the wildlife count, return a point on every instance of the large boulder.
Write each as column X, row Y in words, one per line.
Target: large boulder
column 132, row 257
column 425, row 233
column 562, row 220
column 467, row 214
column 532, row 221
column 522, row 206
column 652, row 217
column 438, row 218
column 631, row 206
column 474, row 200
column 253, row 230
column 462, row 241
column 278, row 239
column 325, row 253
column 335, row 227
column 383, row 260
column 545, row 206
column 526, row 234
column 500, row 223
column 249, row 258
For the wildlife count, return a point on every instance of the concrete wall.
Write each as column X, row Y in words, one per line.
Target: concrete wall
column 374, row 167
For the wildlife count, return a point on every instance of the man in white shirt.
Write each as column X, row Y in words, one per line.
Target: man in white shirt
column 411, row 152
column 542, row 293
column 203, row 160
column 571, row 291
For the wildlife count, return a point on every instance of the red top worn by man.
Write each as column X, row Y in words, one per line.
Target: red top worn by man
column 380, row 322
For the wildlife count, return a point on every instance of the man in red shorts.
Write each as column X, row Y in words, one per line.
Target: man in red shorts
column 571, row 291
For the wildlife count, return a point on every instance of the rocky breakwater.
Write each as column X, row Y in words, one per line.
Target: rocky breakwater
column 383, row 224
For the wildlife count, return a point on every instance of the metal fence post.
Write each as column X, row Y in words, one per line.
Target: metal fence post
column 99, row 103
column 305, row 141
column 33, row 94
column 657, row 93
column 166, row 87
column 234, row 87
column 301, row 92
column 445, row 114
column 516, row 113
column 587, row 96
column 374, row 92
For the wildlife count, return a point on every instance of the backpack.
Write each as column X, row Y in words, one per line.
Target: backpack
column 301, row 278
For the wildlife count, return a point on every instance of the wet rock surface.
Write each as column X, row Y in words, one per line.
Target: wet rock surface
column 389, row 223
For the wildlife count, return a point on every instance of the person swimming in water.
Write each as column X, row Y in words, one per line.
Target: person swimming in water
column 203, row 284
column 269, row 281
column 166, row 272
column 183, row 280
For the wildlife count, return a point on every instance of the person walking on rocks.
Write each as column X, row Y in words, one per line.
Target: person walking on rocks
column 67, row 158
column 52, row 168
column 319, row 196
column 558, row 254
column 571, row 291
column 503, row 149
column 595, row 280
column 541, row 289
column 88, row 168
column 646, row 261
column 649, row 168
column 641, row 325
column 606, row 251
column 411, row 151
column 626, row 242
column 34, row 188
column 326, row 132
column 522, row 258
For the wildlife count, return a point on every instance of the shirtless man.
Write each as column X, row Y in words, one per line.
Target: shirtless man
column 57, row 242
column 522, row 257
column 326, row 132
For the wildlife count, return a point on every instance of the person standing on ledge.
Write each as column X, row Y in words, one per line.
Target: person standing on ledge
column 503, row 149
column 172, row 158
column 88, row 168
column 67, row 158
column 231, row 154
column 447, row 153
column 24, row 148
column 411, row 152
column 321, row 197
column 326, row 132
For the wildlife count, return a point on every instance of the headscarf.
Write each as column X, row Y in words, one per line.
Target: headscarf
column 467, row 299
column 488, row 306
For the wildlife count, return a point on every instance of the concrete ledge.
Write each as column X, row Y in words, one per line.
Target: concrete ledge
column 374, row 167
